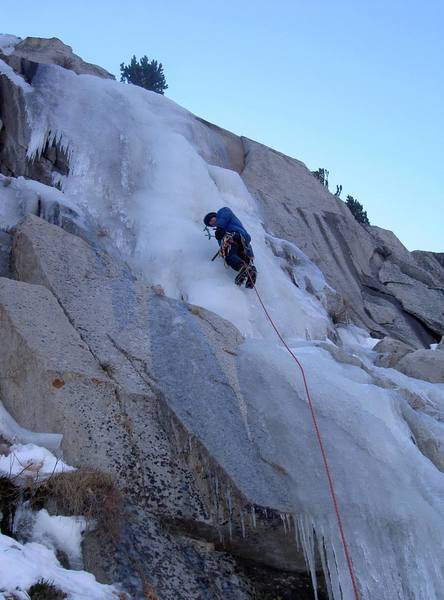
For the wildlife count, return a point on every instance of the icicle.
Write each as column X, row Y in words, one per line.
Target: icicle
column 253, row 517
column 325, row 569
column 288, row 521
column 297, row 537
column 307, row 538
column 333, row 570
column 230, row 508
column 283, row 523
column 242, row 520
column 230, row 528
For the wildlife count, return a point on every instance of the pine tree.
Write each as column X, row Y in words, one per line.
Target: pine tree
column 144, row 73
column 322, row 176
column 357, row 210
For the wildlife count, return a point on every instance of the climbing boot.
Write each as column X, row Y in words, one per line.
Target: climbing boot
column 250, row 275
column 241, row 276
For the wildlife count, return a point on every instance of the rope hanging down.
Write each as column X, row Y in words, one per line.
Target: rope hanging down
column 321, row 445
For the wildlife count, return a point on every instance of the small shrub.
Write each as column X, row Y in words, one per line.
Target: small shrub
column 86, row 491
column 45, row 590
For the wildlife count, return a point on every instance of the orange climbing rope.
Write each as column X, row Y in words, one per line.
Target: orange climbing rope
column 321, row 445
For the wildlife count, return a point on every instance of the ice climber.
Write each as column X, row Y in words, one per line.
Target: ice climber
column 234, row 241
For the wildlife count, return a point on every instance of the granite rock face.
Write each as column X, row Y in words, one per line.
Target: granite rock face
column 387, row 288
column 54, row 52
column 164, row 435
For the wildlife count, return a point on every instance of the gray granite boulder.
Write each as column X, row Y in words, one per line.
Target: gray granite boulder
column 432, row 262
column 423, row 364
column 390, row 352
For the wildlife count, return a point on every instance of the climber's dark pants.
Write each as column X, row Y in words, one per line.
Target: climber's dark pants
column 237, row 256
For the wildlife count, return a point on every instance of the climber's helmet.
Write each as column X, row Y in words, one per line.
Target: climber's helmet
column 210, row 219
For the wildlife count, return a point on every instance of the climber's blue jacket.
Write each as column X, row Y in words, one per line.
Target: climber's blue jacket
column 227, row 221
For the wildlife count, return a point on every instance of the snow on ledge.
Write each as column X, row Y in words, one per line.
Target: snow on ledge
column 8, row 43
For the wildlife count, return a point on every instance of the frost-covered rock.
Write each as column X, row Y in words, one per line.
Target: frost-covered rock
column 423, row 364
column 428, row 435
column 20, row 197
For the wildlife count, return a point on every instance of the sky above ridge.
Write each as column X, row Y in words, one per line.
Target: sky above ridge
column 353, row 86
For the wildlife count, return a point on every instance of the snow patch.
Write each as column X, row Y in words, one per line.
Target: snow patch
column 22, row 565
column 60, row 533
column 8, row 43
column 31, row 460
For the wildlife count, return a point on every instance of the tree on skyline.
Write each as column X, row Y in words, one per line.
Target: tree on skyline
column 144, row 73
column 357, row 210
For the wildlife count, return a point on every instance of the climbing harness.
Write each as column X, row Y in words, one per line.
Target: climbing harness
column 225, row 246
column 320, row 443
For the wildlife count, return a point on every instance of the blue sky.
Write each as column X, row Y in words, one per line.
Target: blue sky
column 354, row 86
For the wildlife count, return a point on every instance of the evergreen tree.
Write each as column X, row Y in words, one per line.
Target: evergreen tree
column 357, row 210
column 322, row 176
column 144, row 73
